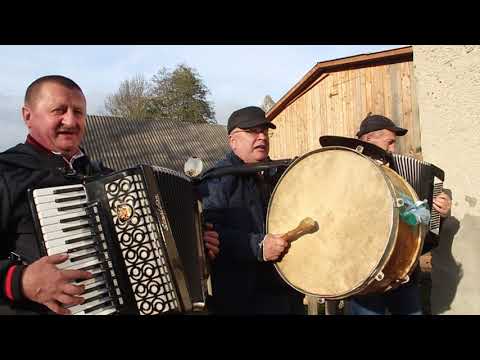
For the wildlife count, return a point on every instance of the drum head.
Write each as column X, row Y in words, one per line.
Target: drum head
column 348, row 195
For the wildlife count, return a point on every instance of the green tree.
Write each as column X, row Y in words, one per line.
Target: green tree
column 180, row 95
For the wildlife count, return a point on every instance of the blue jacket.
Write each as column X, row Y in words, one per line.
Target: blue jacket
column 242, row 282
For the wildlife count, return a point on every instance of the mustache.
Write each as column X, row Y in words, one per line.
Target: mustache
column 71, row 129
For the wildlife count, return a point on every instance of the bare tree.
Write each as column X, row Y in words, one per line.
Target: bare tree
column 131, row 99
column 268, row 103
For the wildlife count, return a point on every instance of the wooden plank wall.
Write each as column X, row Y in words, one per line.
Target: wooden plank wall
column 337, row 104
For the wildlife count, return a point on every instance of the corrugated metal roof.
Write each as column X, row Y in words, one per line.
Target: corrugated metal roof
column 122, row 143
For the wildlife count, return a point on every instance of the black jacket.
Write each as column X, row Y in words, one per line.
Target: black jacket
column 22, row 167
column 242, row 282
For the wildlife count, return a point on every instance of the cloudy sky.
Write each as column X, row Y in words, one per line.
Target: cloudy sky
column 236, row 76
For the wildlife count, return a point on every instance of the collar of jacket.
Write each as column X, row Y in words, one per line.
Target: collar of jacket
column 234, row 159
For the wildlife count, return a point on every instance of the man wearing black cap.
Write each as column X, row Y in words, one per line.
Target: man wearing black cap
column 244, row 280
column 381, row 131
column 404, row 300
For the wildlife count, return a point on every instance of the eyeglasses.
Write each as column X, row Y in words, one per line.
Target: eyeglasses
column 255, row 131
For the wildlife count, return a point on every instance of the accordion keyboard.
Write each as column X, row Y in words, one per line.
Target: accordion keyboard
column 70, row 226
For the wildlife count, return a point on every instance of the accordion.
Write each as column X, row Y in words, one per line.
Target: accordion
column 138, row 231
column 427, row 181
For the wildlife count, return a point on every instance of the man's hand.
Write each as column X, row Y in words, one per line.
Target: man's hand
column 442, row 203
column 212, row 243
column 44, row 283
column 274, row 246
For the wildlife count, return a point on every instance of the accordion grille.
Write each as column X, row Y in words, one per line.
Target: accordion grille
column 141, row 246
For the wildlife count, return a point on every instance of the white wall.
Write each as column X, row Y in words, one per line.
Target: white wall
column 448, row 87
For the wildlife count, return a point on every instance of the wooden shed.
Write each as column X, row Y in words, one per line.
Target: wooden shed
column 335, row 96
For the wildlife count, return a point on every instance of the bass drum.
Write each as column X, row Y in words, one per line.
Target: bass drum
column 361, row 245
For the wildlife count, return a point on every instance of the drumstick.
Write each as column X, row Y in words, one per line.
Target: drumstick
column 306, row 226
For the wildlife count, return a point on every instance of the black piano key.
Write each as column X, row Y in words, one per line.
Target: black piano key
column 101, row 265
column 65, row 191
column 91, row 267
column 99, row 306
column 79, row 197
column 96, row 275
column 80, row 248
column 71, row 207
column 77, row 227
column 97, row 297
column 83, row 217
column 82, row 238
column 81, row 257
column 98, row 287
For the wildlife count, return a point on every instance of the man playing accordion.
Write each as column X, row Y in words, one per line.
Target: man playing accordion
column 404, row 300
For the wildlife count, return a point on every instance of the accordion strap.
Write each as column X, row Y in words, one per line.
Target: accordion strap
column 246, row 169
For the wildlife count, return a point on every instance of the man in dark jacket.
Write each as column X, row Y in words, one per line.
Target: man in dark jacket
column 404, row 300
column 55, row 114
column 244, row 280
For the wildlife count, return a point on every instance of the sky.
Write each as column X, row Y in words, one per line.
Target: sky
column 236, row 75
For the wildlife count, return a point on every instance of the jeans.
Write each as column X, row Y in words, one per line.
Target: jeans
column 405, row 300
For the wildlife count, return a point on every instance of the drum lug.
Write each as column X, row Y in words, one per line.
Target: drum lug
column 405, row 280
column 379, row 276
column 359, row 149
column 399, row 202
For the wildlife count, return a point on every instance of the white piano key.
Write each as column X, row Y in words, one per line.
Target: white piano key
column 77, row 246
column 56, row 218
column 82, row 307
column 87, row 264
column 79, row 264
column 51, row 245
column 63, row 249
column 49, row 191
column 52, row 205
column 52, row 198
column 94, row 293
column 69, row 235
column 92, row 281
column 107, row 311
column 55, row 212
column 95, row 284
column 60, row 226
column 73, row 265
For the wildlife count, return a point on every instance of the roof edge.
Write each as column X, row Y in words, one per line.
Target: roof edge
column 321, row 67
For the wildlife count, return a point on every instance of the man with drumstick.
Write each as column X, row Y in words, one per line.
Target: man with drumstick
column 404, row 300
column 244, row 279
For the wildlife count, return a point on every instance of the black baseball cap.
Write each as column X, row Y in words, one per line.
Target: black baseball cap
column 379, row 122
column 248, row 117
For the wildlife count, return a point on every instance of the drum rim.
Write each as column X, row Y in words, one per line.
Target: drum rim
column 390, row 244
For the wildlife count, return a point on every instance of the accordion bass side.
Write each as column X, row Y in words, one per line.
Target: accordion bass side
column 139, row 231
column 427, row 181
